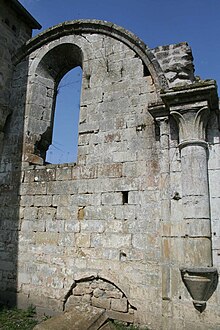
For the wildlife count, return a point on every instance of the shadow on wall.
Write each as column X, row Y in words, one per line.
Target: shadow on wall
column 11, row 178
column 21, row 145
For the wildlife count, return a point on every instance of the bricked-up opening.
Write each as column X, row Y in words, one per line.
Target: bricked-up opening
column 64, row 146
column 100, row 293
column 124, row 197
column 47, row 88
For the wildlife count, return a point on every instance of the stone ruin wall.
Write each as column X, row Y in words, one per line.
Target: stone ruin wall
column 104, row 217
column 14, row 33
column 89, row 218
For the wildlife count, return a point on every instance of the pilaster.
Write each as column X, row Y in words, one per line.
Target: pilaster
column 190, row 106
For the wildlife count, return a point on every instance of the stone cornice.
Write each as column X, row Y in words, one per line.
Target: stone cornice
column 201, row 91
column 190, row 105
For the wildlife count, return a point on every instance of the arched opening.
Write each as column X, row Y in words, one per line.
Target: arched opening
column 98, row 292
column 64, row 146
column 56, row 84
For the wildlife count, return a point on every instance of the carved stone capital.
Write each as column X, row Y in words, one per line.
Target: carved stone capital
column 192, row 119
column 190, row 106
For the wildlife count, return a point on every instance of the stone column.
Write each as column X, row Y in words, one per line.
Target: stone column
column 190, row 105
column 192, row 120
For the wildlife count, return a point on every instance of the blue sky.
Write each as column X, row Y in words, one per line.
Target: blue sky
column 156, row 22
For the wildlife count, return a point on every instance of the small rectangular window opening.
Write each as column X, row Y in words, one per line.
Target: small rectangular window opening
column 124, row 197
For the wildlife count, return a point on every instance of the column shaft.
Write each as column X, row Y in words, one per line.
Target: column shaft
column 196, row 208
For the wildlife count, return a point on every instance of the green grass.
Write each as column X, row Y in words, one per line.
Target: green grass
column 14, row 319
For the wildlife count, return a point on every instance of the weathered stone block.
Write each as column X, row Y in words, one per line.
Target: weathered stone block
column 42, row 200
column 88, row 172
column 61, row 200
column 65, row 240
column 119, row 305
column 67, row 212
column 72, row 226
column 33, row 225
column 83, row 240
column 112, row 198
column 124, row 317
column 124, row 156
column 47, row 238
column 63, row 173
column 30, row 213
column 96, row 226
column 47, row 213
column 35, row 188
column 113, row 294
column 47, row 174
column 98, row 293
column 114, row 226
column 61, row 188
column 102, row 212
column 215, row 204
column 55, row 226
column 116, row 240
column 101, row 302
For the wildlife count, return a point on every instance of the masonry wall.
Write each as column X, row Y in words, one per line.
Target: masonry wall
column 213, row 138
column 14, row 33
column 96, row 217
column 107, row 230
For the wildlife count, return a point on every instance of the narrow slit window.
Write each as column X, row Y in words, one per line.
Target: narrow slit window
column 124, row 197
column 64, row 146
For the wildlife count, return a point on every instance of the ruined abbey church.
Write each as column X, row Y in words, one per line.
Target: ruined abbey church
column 132, row 229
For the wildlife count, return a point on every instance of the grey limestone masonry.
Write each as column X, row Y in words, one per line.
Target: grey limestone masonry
column 142, row 202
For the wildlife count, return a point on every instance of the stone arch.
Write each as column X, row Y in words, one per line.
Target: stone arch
column 46, row 73
column 78, row 27
column 59, row 60
column 59, row 49
column 98, row 292
column 64, row 147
